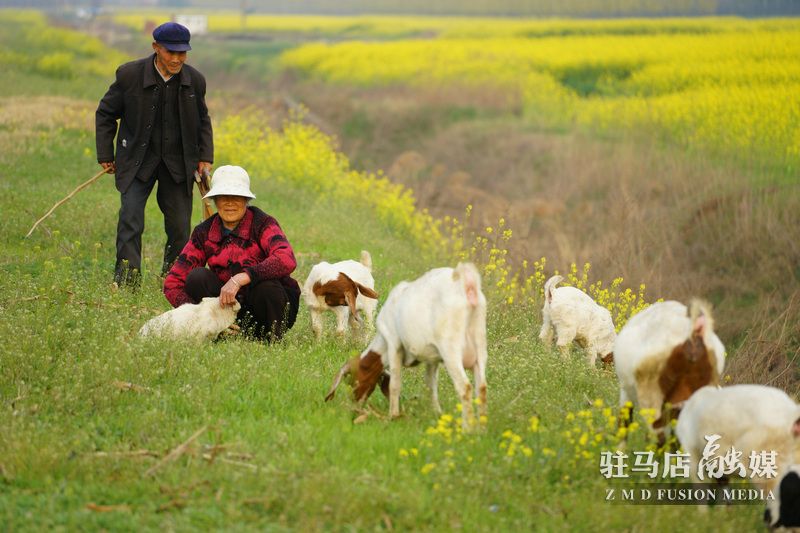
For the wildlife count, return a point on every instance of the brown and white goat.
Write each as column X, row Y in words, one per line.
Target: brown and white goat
column 665, row 353
column 345, row 288
column 438, row 318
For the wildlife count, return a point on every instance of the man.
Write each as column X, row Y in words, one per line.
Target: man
column 164, row 136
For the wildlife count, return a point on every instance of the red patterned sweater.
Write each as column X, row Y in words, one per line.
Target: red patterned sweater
column 257, row 246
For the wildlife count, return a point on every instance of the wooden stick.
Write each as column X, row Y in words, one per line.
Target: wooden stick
column 177, row 452
column 202, row 186
column 70, row 195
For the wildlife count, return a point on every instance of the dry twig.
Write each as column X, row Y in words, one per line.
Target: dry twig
column 208, row 457
column 108, row 508
column 132, row 453
column 177, row 503
column 177, row 452
column 127, row 385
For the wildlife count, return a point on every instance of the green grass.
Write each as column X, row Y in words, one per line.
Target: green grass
column 285, row 459
column 68, row 338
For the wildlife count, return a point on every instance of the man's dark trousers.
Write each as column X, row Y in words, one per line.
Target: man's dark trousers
column 175, row 202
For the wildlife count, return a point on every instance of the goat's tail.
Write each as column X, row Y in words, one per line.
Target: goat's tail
column 549, row 285
column 700, row 315
column 366, row 260
column 470, row 280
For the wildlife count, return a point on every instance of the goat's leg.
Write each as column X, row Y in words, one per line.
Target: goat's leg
column 432, row 378
column 546, row 333
column 625, row 415
column 369, row 315
column 395, row 356
column 477, row 329
column 353, row 322
column 591, row 355
column 452, row 357
column 316, row 322
column 342, row 313
column 565, row 338
column 651, row 401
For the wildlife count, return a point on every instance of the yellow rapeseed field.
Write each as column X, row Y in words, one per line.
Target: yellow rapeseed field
column 728, row 92
column 726, row 86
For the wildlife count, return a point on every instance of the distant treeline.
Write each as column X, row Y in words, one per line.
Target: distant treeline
column 502, row 8
column 517, row 8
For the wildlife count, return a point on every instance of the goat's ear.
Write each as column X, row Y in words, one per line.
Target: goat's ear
column 350, row 298
column 366, row 291
column 317, row 289
column 337, row 380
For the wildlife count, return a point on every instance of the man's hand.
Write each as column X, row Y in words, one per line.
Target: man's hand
column 227, row 295
column 204, row 166
column 109, row 167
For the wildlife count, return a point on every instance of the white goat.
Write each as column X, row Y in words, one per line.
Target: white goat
column 665, row 353
column 576, row 317
column 344, row 288
column 440, row 317
column 751, row 419
column 203, row 321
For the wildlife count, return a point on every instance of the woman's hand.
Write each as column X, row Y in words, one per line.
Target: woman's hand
column 227, row 295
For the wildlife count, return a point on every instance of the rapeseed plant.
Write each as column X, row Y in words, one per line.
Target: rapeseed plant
column 731, row 91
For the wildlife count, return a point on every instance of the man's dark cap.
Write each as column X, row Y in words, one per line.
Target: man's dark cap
column 173, row 36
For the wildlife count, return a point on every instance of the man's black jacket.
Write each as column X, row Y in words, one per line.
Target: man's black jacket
column 132, row 99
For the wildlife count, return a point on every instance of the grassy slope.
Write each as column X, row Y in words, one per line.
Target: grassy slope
column 67, row 338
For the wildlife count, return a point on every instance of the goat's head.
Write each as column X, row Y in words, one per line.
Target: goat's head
column 784, row 510
column 342, row 291
column 212, row 303
column 367, row 371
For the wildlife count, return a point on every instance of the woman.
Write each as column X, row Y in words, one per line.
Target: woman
column 248, row 258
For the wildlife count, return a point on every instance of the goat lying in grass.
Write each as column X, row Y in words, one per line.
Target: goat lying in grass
column 203, row 321
column 576, row 317
column 438, row 318
column 345, row 288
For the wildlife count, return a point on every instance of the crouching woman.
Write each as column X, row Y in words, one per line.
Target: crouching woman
column 248, row 256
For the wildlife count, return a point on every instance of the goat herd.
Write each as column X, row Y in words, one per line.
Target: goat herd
column 667, row 358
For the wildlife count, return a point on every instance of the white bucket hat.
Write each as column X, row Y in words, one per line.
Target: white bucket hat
column 230, row 180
